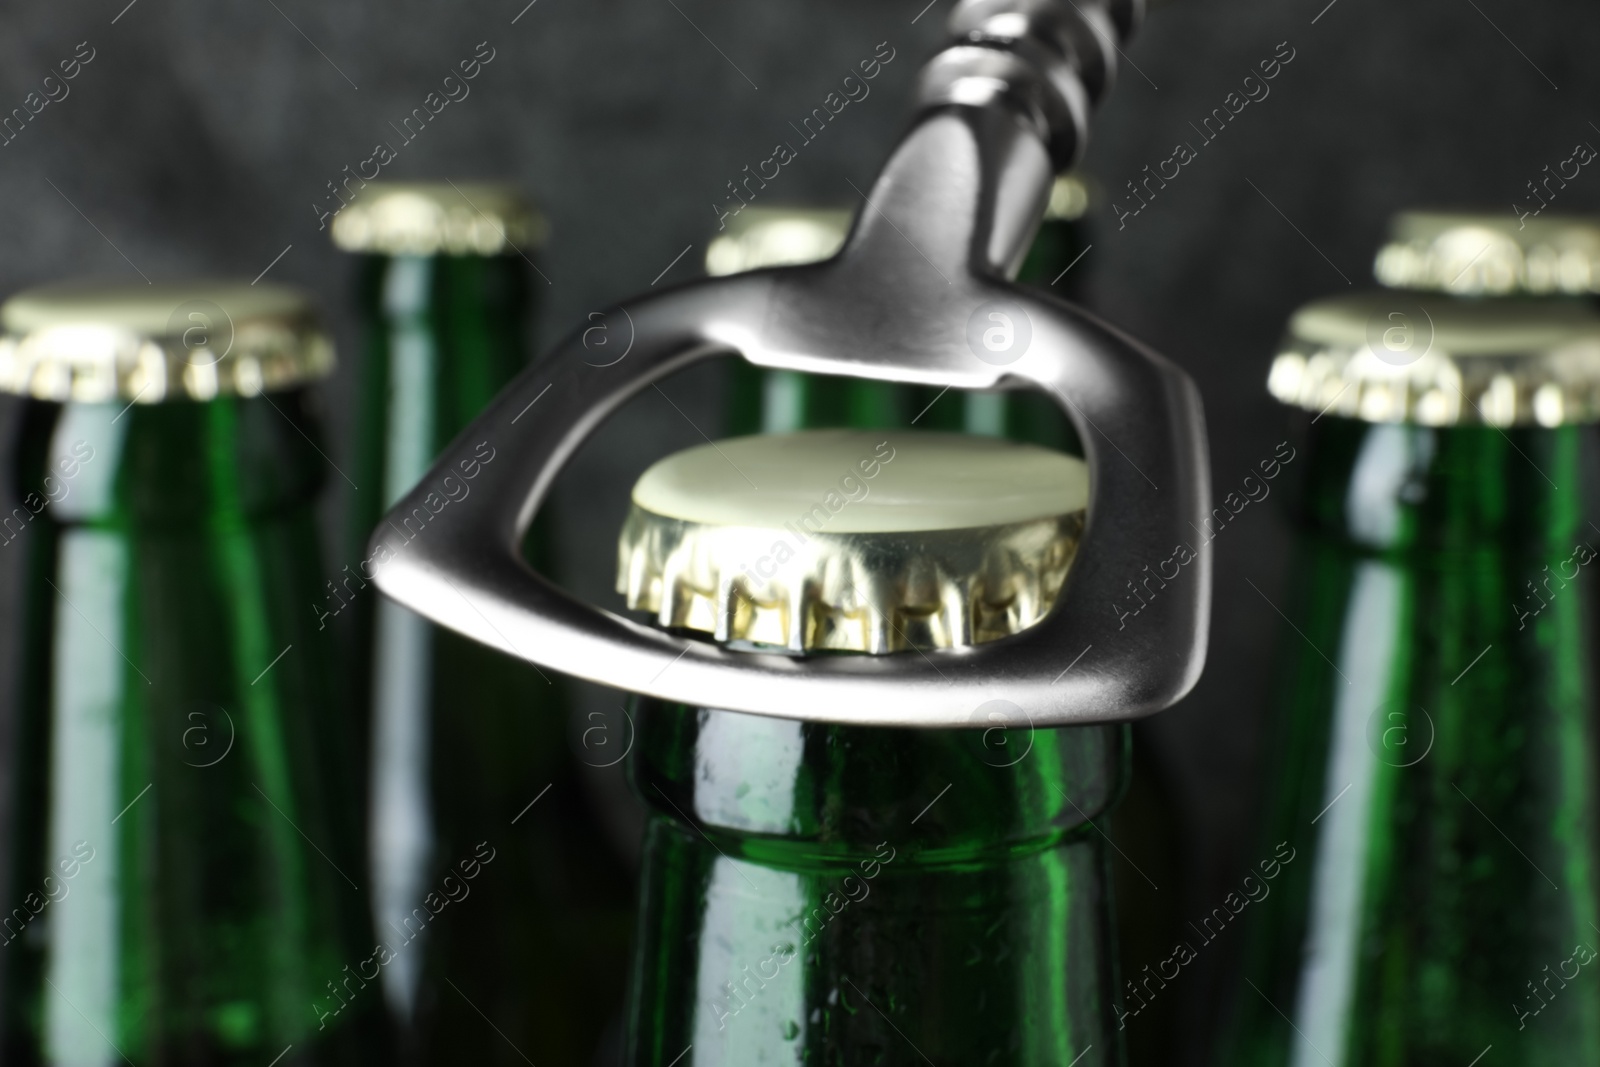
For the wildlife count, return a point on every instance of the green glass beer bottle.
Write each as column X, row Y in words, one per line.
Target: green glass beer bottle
column 1147, row 872
column 1055, row 262
column 780, row 401
column 1435, row 812
column 824, row 894
column 182, row 861
column 466, row 737
column 1147, row 879
column 1061, row 244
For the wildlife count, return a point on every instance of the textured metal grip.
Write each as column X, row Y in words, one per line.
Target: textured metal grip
column 945, row 226
column 1047, row 60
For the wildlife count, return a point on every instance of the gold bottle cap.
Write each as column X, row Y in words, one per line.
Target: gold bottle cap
column 776, row 237
column 438, row 218
column 1069, row 198
column 863, row 541
column 97, row 342
column 1407, row 357
column 1491, row 254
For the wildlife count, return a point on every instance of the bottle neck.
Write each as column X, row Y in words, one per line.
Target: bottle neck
column 443, row 335
column 795, row 873
column 1400, row 488
column 840, row 790
column 172, row 464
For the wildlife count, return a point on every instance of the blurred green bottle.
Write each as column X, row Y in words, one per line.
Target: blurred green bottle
column 469, row 753
column 1146, row 861
column 184, row 841
column 838, row 895
column 1491, row 255
column 1436, row 769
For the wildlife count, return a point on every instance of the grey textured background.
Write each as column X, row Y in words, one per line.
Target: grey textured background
column 203, row 132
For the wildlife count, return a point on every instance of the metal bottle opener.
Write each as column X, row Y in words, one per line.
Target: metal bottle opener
column 999, row 111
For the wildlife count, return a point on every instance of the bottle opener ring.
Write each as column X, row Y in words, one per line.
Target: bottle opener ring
column 922, row 276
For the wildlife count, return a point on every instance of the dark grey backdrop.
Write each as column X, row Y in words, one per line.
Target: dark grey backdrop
column 203, row 132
